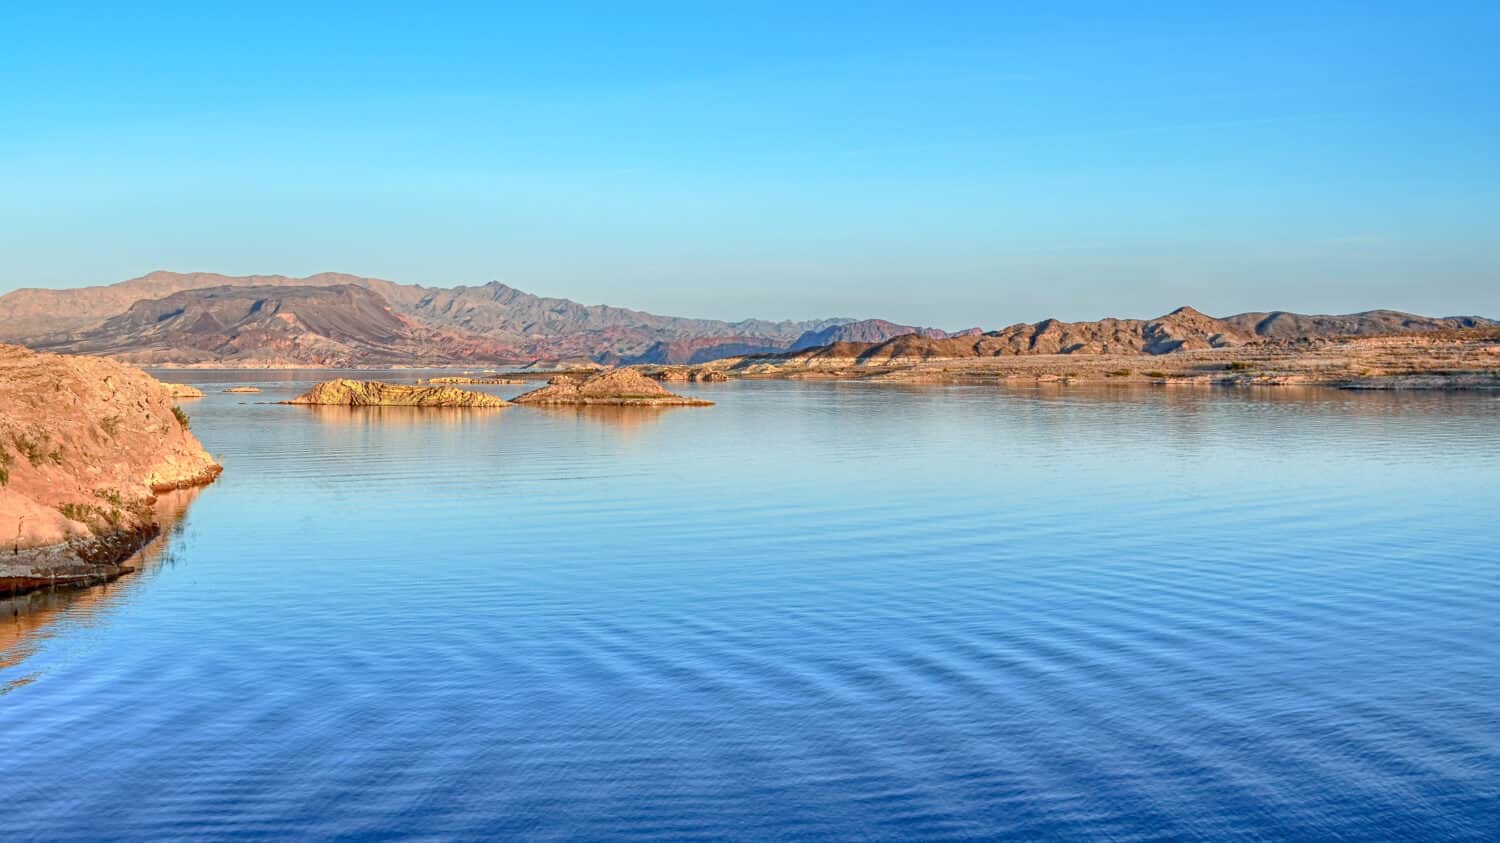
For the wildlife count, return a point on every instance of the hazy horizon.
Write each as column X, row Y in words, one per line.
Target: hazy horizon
column 950, row 167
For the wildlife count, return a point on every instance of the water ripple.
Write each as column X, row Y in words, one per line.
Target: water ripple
column 814, row 611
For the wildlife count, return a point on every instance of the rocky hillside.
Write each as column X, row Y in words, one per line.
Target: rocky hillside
column 333, row 319
column 343, row 325
column 85, row 444
column 507, row 323
column 869, row 331
column 1184, row 329
column 697, row 350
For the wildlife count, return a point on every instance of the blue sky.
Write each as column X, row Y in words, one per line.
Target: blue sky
column 949, row 164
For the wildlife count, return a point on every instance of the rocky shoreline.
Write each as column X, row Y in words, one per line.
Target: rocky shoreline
column 85, row 446
column 1459, row 360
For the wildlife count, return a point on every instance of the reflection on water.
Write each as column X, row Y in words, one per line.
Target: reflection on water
column 25, row 618
column 451, row 418
column 624, row 418
column 812, row 611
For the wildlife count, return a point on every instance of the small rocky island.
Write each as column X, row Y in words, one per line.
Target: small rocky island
column 451, row 379
column 617, row 387
column 85, row 446
column 682, row 374
column 345, row 392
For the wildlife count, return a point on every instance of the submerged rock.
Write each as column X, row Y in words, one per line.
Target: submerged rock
column 243, row 389
column 623, row 387
column 351, row 393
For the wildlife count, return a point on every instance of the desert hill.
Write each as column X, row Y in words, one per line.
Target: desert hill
column 1184, row 329
column 85, row 444
column 273, row 325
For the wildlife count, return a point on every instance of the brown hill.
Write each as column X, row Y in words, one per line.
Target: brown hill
column 699, row 350
column 85, row 444
column 344, row 325
column 870, row 331
column 1286, row 326
column 534, row 326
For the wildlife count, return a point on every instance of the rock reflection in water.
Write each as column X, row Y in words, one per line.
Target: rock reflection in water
column 25, row 619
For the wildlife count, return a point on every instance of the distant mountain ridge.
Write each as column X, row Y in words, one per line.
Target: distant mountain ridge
column 1184, row 329
column 342, row 325
column 493, row 307
column 493, row 319
column 334, row 319
column 871, row 330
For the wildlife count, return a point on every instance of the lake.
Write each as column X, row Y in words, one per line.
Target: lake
column 813, row 611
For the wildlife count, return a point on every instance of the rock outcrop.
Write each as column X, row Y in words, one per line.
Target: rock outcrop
column 85, row 444
column 620, row 387
column 686, row 375
column 352, row 393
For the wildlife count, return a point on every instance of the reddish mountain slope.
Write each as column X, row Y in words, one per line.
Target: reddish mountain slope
column 275, row 325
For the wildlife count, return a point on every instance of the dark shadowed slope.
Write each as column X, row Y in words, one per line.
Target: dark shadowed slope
column 323, row 326
column 543, row 326
column 871, row 331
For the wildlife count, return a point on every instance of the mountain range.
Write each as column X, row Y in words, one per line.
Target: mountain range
column 1184, row 329
column 334, row 319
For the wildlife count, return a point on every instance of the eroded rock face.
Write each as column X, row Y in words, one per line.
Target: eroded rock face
column 85, row 443
column 625, row 387
column 352, row 393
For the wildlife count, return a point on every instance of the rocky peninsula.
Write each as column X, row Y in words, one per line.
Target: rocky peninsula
column 85, row 445
column 345, row 392
column 617, row 387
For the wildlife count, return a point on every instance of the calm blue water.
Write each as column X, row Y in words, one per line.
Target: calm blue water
column 814, row 611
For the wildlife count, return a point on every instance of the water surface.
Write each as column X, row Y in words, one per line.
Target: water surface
column 813, row 611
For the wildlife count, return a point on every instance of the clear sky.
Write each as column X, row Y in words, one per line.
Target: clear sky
column 948, row 164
